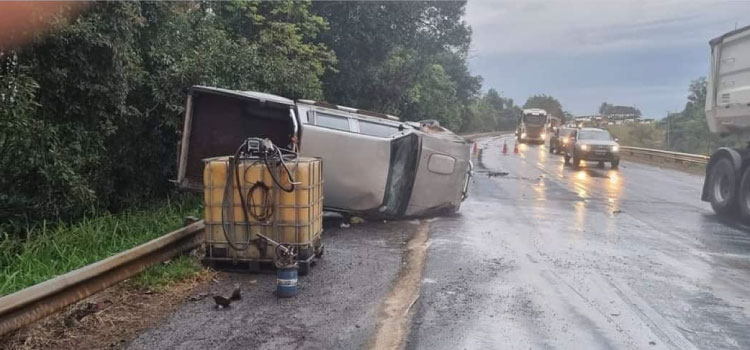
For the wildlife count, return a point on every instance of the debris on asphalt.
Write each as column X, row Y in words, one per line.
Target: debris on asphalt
column 618, row 211
column 344, row 225
column 496, row 173
column 356, row 220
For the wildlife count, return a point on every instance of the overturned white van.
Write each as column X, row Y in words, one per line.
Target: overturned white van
column 374, row 165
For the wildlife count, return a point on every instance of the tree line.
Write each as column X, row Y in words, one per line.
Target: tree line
column 91, row 110
column 609, row 109
column 684, row 131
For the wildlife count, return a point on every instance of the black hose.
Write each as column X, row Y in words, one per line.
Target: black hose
column 266, row 208
column 266, row 212
column 233, row 169
column 272, row 170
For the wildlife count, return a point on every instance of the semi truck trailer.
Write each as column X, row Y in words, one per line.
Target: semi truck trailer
column 727, row 182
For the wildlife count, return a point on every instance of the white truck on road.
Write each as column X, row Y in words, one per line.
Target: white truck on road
column 727, row 183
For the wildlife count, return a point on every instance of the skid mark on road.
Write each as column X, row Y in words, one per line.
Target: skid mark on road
column 393, row 320
column 658, row 324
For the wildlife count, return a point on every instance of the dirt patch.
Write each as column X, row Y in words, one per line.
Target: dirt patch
column 393, row 319
column 108, row 319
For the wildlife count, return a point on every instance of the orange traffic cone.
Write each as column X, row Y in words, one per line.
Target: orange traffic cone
column 505, row 147
column 515, row 148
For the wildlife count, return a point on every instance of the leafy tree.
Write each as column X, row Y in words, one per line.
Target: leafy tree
column 547, row 103
column 433, row 96
column 492, row 112
column 97, row 105
column 388, row 50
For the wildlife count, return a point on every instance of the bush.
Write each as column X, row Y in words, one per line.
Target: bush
column 90, row 115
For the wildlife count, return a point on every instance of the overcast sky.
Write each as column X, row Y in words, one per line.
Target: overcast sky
column 642, row 53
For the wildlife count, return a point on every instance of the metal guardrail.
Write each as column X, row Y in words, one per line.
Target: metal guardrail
column 472, row 137
column 30, row 304
column 686, row 158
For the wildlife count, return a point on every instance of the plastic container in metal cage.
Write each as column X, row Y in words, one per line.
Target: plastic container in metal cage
column 293, row 218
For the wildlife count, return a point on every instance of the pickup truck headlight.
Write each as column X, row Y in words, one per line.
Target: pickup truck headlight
column 584, row 147
column 523, row 135
column 615, row 148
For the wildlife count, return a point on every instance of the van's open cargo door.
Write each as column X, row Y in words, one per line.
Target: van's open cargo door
column 218, row 120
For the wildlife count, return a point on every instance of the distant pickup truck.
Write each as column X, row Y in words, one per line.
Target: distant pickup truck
column 374, row 164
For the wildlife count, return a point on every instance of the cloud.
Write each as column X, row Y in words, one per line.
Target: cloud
column 642, row 53
column 574, row 28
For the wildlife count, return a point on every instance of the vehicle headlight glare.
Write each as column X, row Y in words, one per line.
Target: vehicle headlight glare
column 584, row 147
column 615, row 148
column 523, row 135
column 543, row 135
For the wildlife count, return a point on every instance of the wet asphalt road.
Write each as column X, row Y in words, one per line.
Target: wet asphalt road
column 336, row 307
column 549, row 257
column 543, row 257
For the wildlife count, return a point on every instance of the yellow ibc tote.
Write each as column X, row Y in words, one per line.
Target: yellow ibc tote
column 293, row 218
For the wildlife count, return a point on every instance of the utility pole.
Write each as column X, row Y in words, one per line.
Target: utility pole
column 668, row 127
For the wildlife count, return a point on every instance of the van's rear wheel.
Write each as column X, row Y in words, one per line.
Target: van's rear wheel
column 722, row 187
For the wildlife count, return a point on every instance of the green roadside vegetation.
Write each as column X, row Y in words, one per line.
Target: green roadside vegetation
column 685, row 131
column 639, row 135
column 50, row 250
column 160, row 276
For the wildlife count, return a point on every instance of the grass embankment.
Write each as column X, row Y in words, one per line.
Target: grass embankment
column 639, row 135
column 52, row 250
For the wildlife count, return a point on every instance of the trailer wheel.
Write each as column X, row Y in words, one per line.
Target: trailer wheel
column 744, row 196
column 722, row 187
